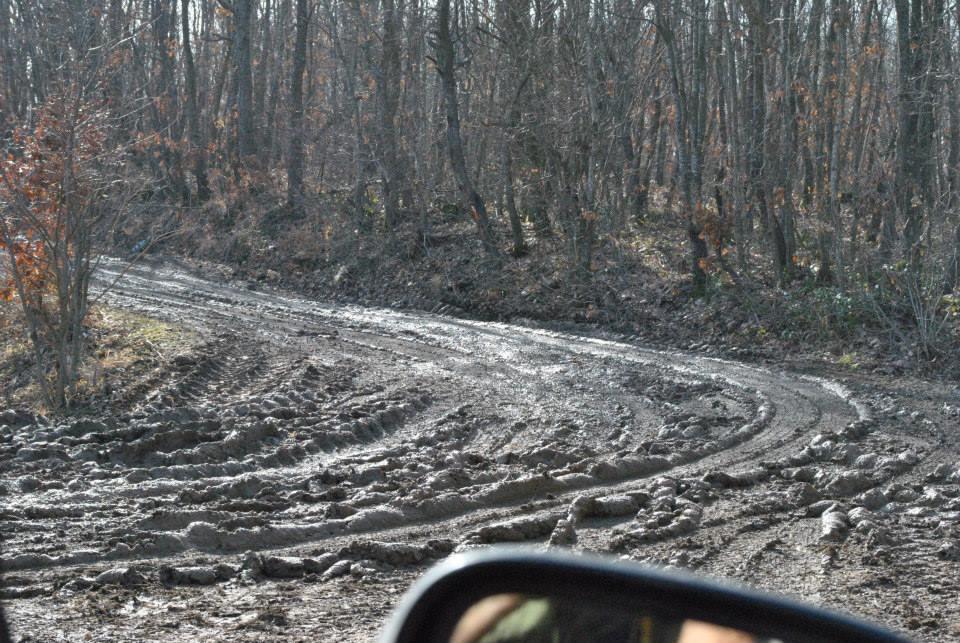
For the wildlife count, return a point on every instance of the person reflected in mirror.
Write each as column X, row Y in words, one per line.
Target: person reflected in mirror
column 700, row 632
column 516, row 618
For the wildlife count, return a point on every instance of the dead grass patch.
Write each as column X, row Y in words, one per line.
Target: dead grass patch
column 122, row 347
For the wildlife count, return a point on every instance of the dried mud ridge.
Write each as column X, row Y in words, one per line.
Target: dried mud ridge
column 350, row 445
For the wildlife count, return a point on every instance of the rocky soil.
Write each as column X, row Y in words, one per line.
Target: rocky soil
column 292, row 472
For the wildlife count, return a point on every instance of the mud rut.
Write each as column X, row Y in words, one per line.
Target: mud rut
column 292, row 475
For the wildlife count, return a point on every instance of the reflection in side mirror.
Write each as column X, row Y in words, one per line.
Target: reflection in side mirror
column 520, row 596
column 518, row 618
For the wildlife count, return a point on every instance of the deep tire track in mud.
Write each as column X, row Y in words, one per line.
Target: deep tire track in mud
column 329, row 453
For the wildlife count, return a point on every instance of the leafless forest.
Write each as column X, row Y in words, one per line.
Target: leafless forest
column 300, row 296
column 769, row 143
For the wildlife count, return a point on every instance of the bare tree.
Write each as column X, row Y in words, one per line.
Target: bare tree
column 240, row 106
column 446, row 68
column 295, row 154
column 198, row 149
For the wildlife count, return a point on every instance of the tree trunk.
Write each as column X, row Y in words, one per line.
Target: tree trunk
column 241, row 104
column 295, row 200
column 446, row 68
column 388, row 95
column 198, row 150
column 274, row 142
column 166, row 127
column 687, row 129
column 510, row 202
column 264, row 69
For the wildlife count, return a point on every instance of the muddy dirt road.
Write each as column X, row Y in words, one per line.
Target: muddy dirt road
column 288, row 477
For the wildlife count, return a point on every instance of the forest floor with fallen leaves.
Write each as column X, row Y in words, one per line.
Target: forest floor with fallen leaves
column 638, row 286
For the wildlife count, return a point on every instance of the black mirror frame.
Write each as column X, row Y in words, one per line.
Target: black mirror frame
column 433, row 606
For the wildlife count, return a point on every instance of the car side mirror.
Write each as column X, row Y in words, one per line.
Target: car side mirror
column 513, row 596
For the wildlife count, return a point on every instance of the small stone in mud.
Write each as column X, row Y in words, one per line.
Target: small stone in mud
column 857, row 429
column 252, row 562
column 395, row 554
column 563, row 534
column 949, row 551
column 224, row 571
column 15, row 417
column 801, row 474
column 282, row 566
column 340, row 568
column 338, row 510
column 581, row 507
column 905, row 495
column 187, row 575
column 138, row 475
column 333, row 494
column 516, row 530
column 833, row 526
column 78, row 584
column 859, row 516
column 847, row 483
column 610, row 506
column 804, row 494
column 365, row 568
column 940, row 473
column 817, row 509
column 125, row 576
column 202, row 533
column 871, row 499
column 315, row 566
column 28, row 484
column 932, row 498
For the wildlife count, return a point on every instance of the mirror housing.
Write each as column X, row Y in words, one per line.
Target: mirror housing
column 432, row 609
